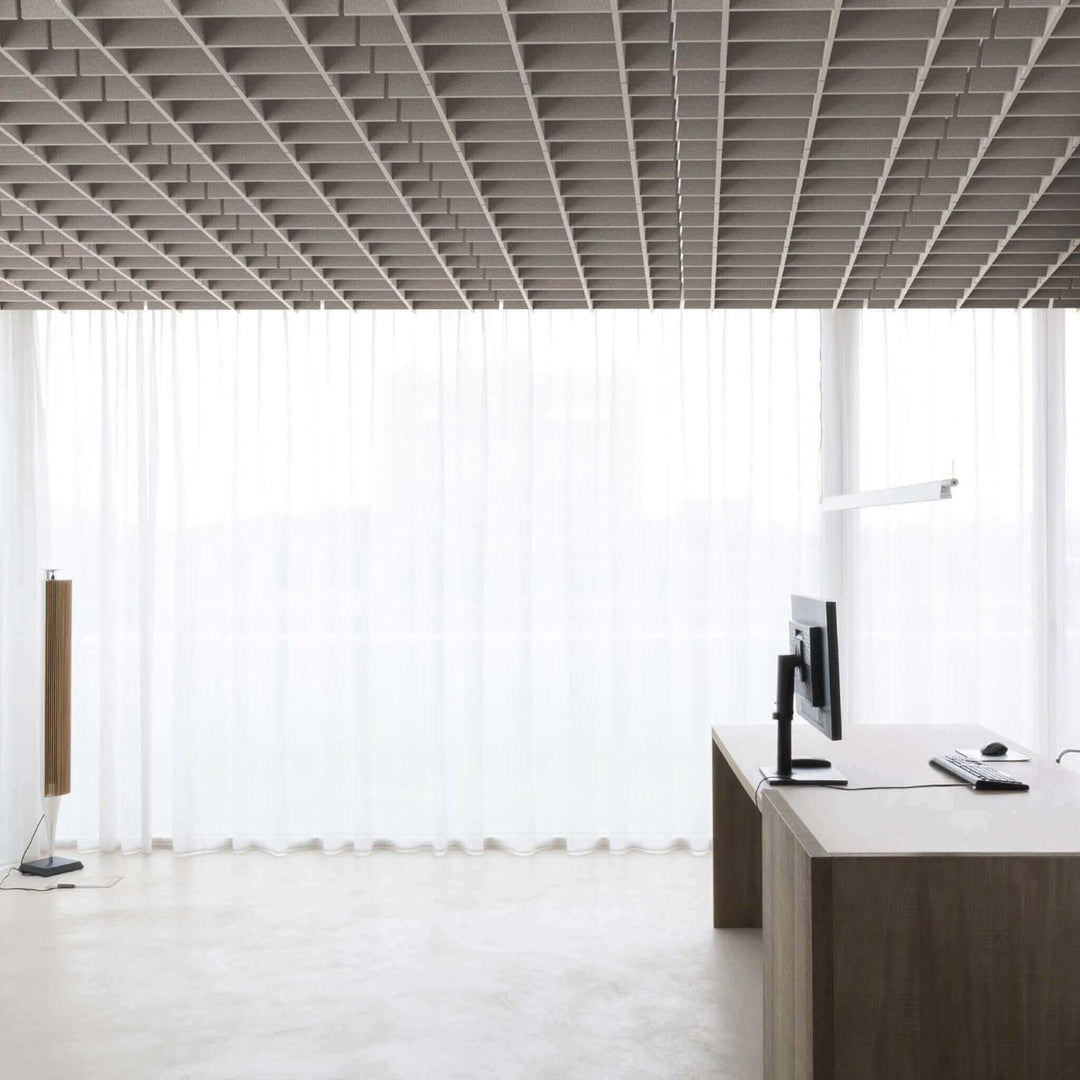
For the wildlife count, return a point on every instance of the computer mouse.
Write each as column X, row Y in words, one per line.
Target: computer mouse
column 994, row 749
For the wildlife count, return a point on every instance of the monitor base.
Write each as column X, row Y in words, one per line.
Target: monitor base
column 817, row 776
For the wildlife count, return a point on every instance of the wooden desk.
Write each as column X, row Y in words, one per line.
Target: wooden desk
column 926, row 933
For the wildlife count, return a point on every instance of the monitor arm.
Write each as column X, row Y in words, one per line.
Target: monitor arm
column 786, row 666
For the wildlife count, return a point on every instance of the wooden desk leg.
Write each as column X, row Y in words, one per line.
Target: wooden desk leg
column 798, row 956
column 736, row 849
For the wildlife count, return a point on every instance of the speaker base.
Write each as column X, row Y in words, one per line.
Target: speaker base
column 47, row 867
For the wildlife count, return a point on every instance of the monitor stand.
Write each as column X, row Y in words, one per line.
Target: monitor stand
column 822, row 777
column 799, row 771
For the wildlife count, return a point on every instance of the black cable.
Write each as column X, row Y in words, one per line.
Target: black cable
column 22, row 857
column 8, row 875
column 49, row 888
column 894, row 787
column 763, row 780
column 1063, row 753
column 19, row 888
column 868, row 787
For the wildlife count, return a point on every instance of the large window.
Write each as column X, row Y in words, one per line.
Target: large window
column 457, row 578
column 942, row 596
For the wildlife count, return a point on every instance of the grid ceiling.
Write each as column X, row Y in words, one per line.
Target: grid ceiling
column 539, row 153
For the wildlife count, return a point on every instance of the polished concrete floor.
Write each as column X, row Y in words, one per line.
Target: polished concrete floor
column 390, row 965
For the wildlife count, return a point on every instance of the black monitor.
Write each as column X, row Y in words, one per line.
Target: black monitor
column 807, row 681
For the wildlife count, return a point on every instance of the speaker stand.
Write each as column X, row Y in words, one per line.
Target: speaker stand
column 47, row 867
column 51, row 864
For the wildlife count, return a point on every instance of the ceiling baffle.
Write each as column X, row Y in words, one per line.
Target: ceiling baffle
column 539, row 153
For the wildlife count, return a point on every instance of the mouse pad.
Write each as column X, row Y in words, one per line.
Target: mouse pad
column 977, row 755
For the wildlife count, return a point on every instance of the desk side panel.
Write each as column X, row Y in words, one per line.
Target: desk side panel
column 736, row 849
column 797, row 952
column 956, row 967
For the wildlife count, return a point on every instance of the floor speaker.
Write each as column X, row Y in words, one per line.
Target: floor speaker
column 57, row 721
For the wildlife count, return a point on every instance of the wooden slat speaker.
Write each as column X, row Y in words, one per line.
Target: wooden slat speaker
column 57, row 779
column 57, row 687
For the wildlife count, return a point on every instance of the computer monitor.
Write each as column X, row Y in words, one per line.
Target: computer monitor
column 817, row 678
column 807, row 681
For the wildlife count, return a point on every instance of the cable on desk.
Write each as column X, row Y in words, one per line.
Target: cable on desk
column 867, row 787
column 893, row 787
column 763, row 780
column 1064, row 752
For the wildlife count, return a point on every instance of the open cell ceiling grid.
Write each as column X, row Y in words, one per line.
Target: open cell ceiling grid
column 539, row 153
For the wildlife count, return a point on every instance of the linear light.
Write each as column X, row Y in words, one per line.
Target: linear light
column 929, row 491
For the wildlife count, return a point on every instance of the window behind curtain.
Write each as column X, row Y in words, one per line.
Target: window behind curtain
column 942, row 596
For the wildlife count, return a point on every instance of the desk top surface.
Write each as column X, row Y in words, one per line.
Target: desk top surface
column 916, row 821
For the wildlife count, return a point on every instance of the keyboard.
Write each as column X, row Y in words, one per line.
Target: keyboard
column 980, row 776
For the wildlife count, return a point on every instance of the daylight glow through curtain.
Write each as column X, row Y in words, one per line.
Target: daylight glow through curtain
column 431, row 578
column 424, row 578
column 943, row 598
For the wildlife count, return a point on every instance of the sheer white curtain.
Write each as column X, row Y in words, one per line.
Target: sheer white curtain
column 434, row 579
column 23, row 534
column 423, row 579
column 943, row 599
column 1063, row 340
